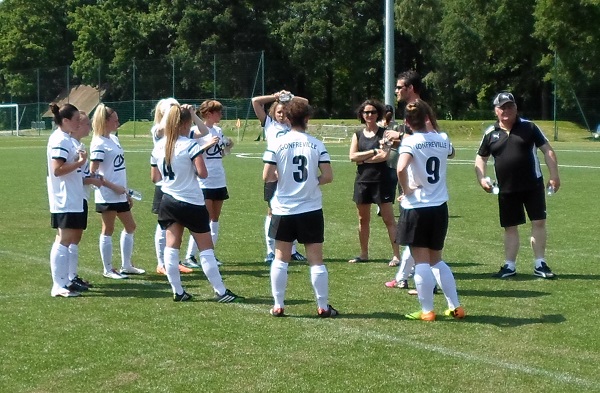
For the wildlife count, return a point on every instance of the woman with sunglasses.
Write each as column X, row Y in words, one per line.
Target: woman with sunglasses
column 370, row 151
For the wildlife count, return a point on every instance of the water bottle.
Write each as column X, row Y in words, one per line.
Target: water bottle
column 493, row 184
column 226, row 145
column 550, row 190
column 135, row 194
column 285, row 97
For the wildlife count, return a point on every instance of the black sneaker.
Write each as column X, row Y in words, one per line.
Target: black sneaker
column 543, row 271
column 504, row 272
column 184, row 297
column 436, row 290
column 329, row 313
column 83, row 282
column 77, row 287
column 298, row 257
column 227, row 297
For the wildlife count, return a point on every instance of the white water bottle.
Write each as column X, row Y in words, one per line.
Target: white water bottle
column 493, row 184
column 135, row 194
column 550, row 190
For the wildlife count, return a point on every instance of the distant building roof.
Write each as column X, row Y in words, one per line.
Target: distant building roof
column 84, row 97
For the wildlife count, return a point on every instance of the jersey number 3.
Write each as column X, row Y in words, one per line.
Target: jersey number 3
column 301, row 174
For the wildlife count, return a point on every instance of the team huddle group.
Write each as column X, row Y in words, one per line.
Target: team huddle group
column 187, row 169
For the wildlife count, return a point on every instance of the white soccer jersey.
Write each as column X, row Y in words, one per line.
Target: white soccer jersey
column 274, row 129
column 297, row 156
column 65, row 193
column 179, row 179
column 84, row 170
column 427, row 170
column 111, row 156
column 213, row 159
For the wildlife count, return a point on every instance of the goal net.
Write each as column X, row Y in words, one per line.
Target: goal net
column 9, row 119
column 337, row 133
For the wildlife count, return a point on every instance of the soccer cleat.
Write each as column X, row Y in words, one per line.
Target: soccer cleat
column 161, row 270
column 184, row 297
column 543, row 271
column 269, row 258
column 458, row 312
column 277, row 312
column 397, row 284
column 329, row 313
column 185, row 270
column 191, row 263
column 420, row 315
column 131, row 270
column 298, row 257
column 227, row 297
column 83, row 282
column 219, row 263
column 504, row 272
column 63, row 292
column 115, row 275
column 75, row 286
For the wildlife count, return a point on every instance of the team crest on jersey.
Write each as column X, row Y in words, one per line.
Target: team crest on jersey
column 119, row 161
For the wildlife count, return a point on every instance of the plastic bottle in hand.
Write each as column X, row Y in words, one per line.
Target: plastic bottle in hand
column 493, row 184
column 226, row 146
column 550, row 190
column 135, row 194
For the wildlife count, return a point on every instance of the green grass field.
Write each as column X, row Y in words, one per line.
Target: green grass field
column 521, row 335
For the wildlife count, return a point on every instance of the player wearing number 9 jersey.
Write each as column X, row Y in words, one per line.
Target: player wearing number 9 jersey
column 300, row 164
column 424, row 218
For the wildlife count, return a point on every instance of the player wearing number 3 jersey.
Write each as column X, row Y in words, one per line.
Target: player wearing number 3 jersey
column 300, row 164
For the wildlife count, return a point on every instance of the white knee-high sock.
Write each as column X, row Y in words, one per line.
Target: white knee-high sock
column 160, row 242
column 319, row 278
column 279, row 277
column 214, row 232
column 406, row 264
column 192, row 248
column 172, row 269
column 211, row 270
column 424, row 281
column 269, row 240
column 59, row 265
column 126, row 249
column 445, row 279
column 73, row 260
column 106, row 250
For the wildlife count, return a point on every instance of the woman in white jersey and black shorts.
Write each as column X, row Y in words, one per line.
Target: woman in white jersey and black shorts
column 214, row 187
column 300, row 164
column 177, row 161
column 275, row 124
column 65, row 194
column 158, row 132
column 423, row 221
column 112, row 199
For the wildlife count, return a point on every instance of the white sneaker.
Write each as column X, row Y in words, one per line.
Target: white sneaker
column 131, row 270
column 114, row 275
column 63, row 292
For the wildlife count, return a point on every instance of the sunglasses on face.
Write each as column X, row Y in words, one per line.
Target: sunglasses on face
column 370, row 112
column 400, row 87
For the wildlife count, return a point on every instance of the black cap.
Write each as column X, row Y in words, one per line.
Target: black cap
column 503, row 98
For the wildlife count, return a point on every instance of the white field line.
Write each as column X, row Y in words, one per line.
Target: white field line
column 361, row 334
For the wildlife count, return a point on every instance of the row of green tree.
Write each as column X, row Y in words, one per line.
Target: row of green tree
column 330, row 51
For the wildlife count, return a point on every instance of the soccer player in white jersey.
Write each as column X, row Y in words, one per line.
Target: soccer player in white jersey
column 275, row 124
column 157, row 133
column 423, row 222
column 300, row 164
column 177, row 161
column 112, row 199
column 65, row 195
column 214, row 186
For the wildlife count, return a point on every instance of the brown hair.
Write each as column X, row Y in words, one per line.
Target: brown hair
column 209, row 106
column 67, row 111
column 298, row 112
column 417, row 113
column 375, row 103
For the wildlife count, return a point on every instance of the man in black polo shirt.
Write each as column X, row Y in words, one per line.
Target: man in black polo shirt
column 513, row 142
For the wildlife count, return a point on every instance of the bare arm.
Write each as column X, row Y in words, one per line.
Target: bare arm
column 269, row 173
column 361, row 156
column 402, row 169
column 61, row 167
column 202, row 128
column 480, row 166
column 326, row 173
column 552, row 164
column 155, row 174
column 258, row 104
column 201, row 171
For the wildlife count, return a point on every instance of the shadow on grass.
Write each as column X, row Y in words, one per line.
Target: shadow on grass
column 512, row 322
column 128, row 289
column 515, row 293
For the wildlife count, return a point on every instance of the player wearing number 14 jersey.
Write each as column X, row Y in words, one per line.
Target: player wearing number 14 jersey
column 300, row 164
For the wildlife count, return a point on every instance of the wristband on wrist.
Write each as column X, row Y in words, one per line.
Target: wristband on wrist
column 374, row 152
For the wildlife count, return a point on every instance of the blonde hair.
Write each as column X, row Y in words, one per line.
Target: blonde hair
column 176, row 117
column 209, row 106
column 162, row 107
column 101, row 115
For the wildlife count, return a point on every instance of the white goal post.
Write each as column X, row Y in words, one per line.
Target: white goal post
column 16, row 106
